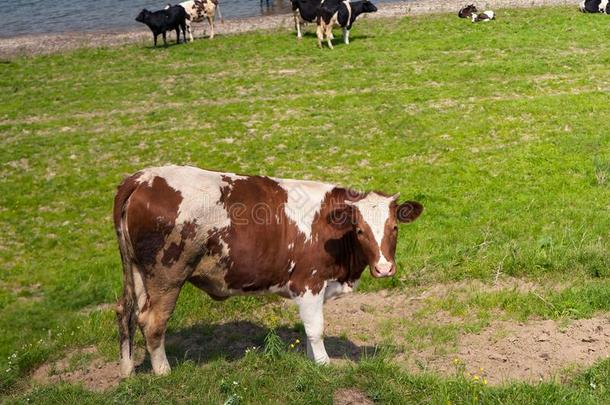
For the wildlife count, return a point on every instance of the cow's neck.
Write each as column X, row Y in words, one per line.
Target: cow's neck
column 351, row 261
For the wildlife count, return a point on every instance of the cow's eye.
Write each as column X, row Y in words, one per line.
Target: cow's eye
column 359, row 231
column 395, row 227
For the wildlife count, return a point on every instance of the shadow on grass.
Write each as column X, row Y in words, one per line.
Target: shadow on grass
column 229, row 341
column 338, row 40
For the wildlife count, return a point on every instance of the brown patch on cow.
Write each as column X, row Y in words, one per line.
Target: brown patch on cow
column 124, row 191
column 83, row 366
column 350, row 396
column 258, row 227
column 151, row 217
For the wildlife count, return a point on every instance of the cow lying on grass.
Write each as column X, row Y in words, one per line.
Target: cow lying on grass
column 484, row 16
column 342, row 13
column 595, row 6
column 159, row 22
column 232, row 235
column 197, row 10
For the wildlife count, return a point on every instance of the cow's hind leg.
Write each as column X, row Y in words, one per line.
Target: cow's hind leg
column 126, row 312
column 312, row 315
column 320, row 35
column 189, row 30
column 156, row 301
column 297, row 23
column 329, row 35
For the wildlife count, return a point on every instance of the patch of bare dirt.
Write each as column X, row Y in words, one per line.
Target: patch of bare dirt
column 504, row 351
column 53, row 43
column 350, row 396
column 83, row 366
column 533, row 351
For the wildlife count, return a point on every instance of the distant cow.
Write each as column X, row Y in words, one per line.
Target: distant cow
column 342, row 13
column 197, row 10
column 230, row 235
column 467, row 11
column 484, row 16
column 595, row 6
column 304, row 11
column 159, row 22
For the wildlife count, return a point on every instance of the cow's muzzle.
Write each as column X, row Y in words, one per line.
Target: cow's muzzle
column 383, row 270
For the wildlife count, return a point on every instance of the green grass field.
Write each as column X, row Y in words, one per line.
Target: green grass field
column 499, row 129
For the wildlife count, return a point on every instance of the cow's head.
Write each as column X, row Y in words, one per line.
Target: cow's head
column 368, row 7
column 143, row 16
column 375, row 219
column 467, row 11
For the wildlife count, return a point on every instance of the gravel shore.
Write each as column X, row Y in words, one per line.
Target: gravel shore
column 53, row 43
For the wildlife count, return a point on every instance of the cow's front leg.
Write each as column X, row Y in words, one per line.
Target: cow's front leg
column 346, row 36
column 312, row 315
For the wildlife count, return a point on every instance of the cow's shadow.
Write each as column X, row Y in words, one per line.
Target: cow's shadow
column 338, row 41
column 229, row 341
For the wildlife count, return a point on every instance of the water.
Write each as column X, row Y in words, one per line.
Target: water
column 23, row 17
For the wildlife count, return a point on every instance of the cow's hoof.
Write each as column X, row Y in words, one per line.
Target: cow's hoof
column 126, row 369
column 162, row 369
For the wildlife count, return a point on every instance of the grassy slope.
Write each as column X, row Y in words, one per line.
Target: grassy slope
column 497, row 128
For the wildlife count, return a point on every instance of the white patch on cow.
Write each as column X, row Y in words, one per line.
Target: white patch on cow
column 602, row 6
column 312, row 315
column 336, row 289
column 291, row 266
column 305, row 199
column 313, row 272
column 200, row 191
column 375, row 210
column 582, row 6
column 291, row 246
column 140, row 290
column 349, row 10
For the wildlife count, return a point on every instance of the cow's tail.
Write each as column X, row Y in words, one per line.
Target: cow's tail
column 126, row 309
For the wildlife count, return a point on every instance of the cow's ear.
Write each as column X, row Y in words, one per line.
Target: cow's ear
column 408, row 211
column 342, row 218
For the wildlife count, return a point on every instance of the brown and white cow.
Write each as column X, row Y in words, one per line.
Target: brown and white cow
column 230, row 234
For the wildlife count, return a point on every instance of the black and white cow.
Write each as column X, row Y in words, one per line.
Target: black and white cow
column 197, row 10
column 342, row 13
column 484, row 16
column 595, row 6
column 304, row 11
column 159, row 22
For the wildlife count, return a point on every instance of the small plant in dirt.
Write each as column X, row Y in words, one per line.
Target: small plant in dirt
column 274, row 347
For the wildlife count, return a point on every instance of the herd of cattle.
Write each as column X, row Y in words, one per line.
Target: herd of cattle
column 325, row 13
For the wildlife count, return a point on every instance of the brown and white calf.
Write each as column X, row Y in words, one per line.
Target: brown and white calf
column 230, row 234
column 198, row 10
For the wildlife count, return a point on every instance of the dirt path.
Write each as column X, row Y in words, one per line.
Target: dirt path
column 53, row 43
column 358, row 324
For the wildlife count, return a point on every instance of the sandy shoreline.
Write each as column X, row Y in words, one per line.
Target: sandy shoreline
column 53, row 43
